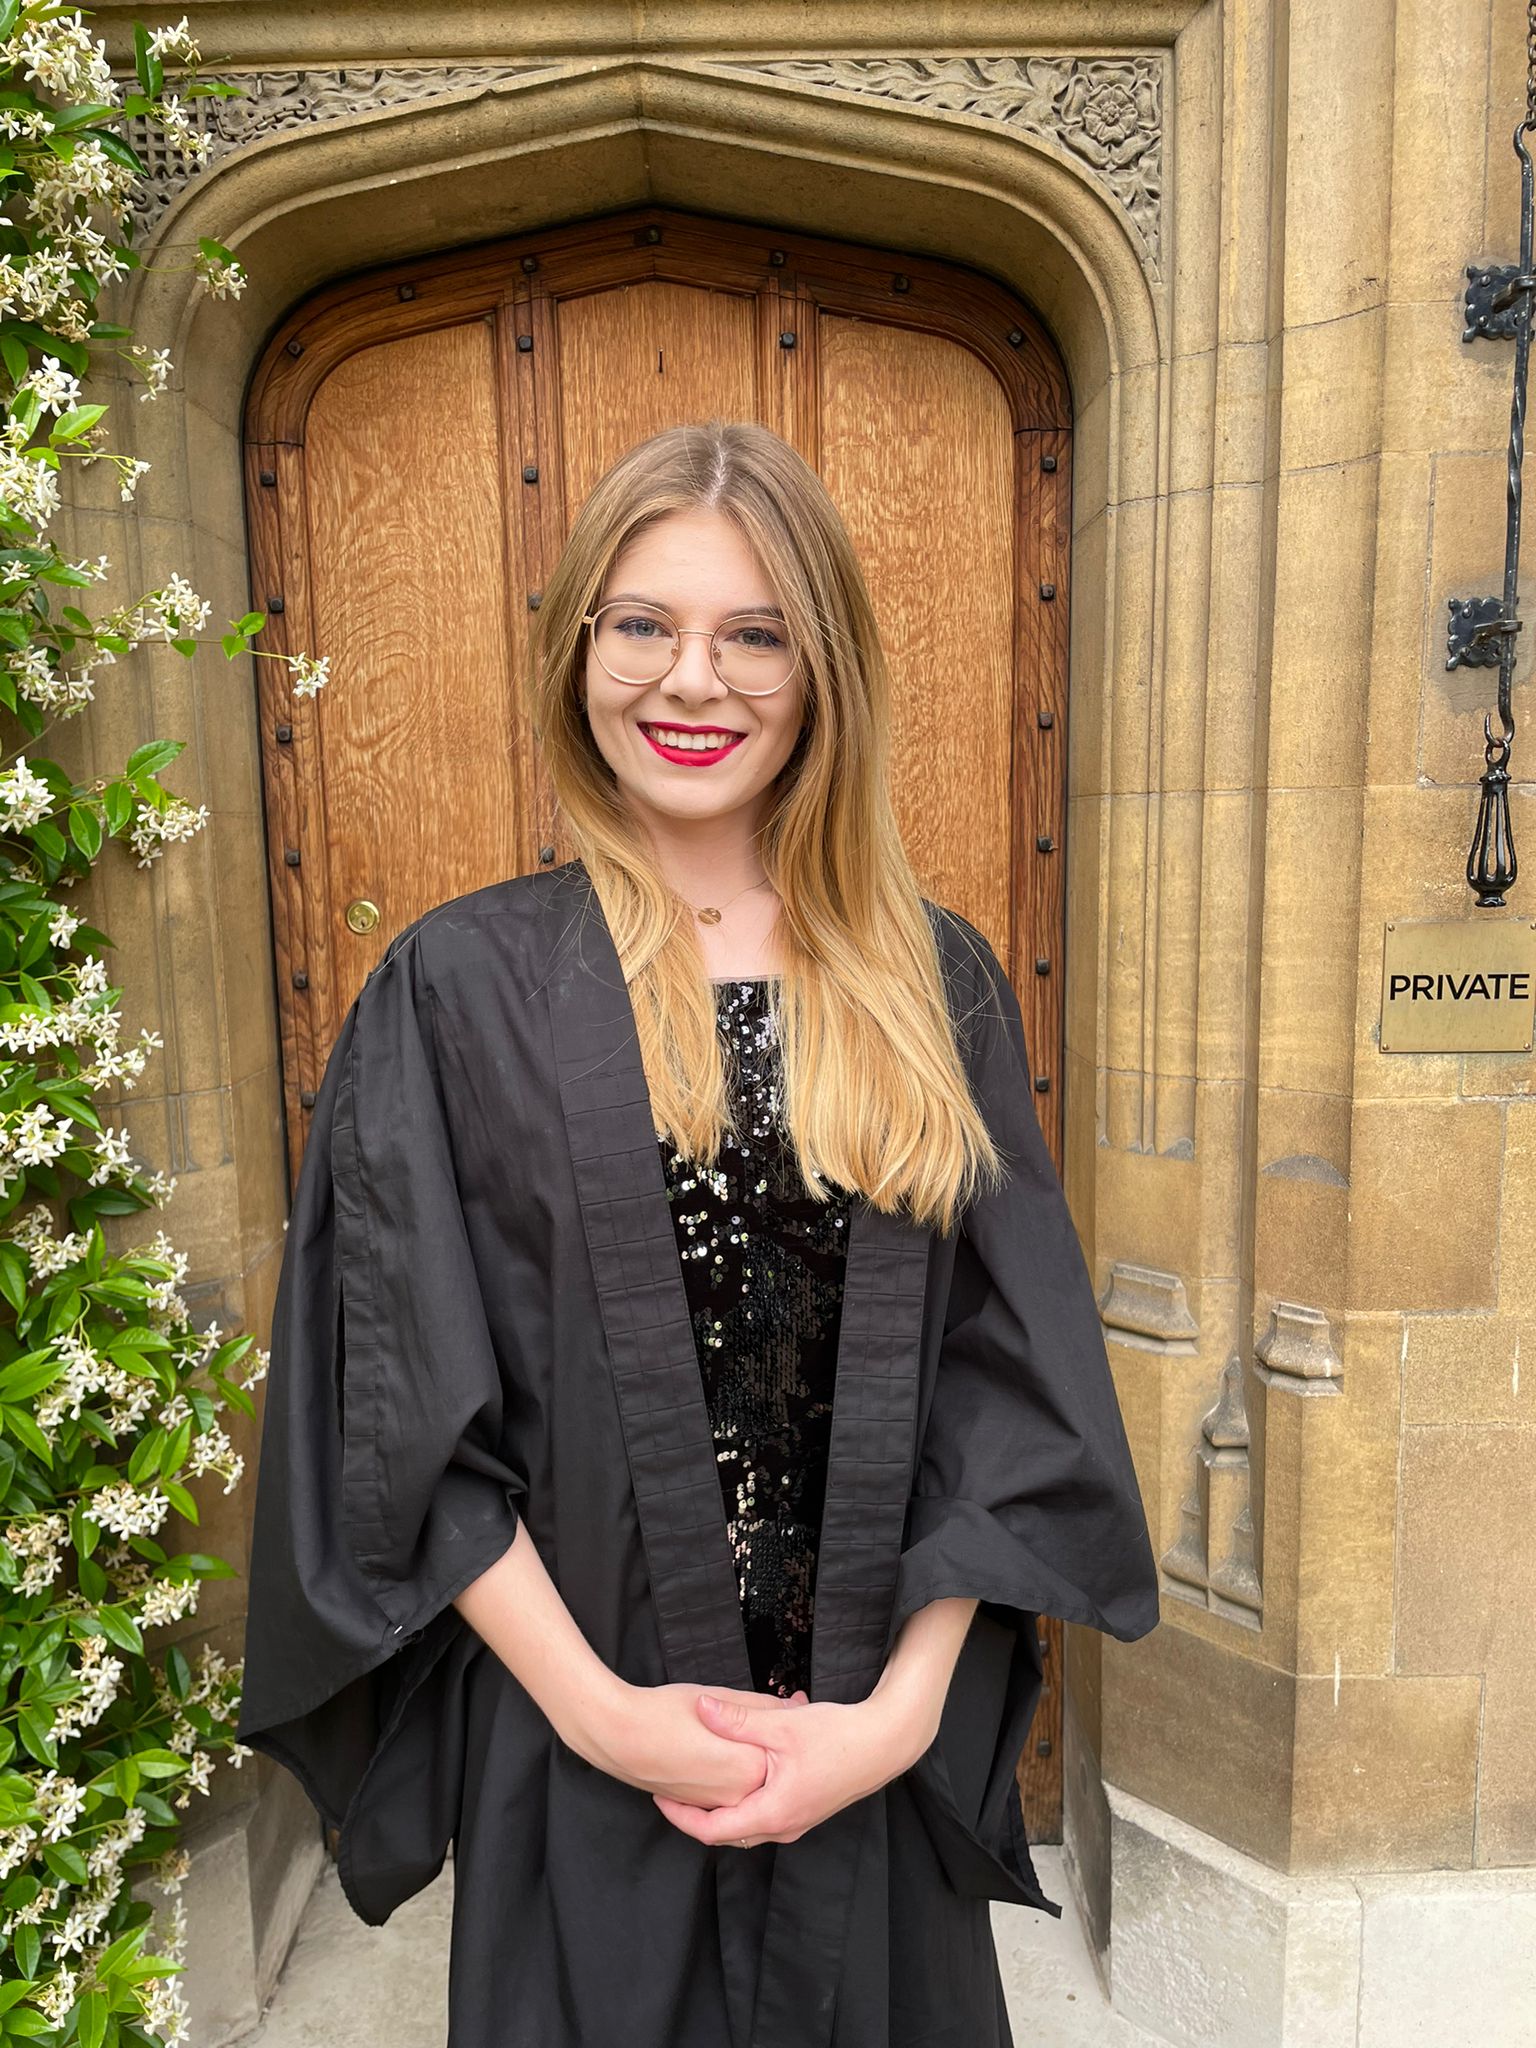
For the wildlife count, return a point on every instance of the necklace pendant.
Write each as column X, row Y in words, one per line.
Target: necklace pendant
column 709, row 916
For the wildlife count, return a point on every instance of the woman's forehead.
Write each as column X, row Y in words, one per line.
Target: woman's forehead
column 695, row 553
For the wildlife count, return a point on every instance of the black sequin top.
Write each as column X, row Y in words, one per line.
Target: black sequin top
column 762, row 1265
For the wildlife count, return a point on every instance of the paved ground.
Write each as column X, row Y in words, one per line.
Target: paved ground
column 347, row 1985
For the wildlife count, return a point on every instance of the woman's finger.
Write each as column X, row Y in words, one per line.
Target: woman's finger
column 752, row 1819
column 738, row 1719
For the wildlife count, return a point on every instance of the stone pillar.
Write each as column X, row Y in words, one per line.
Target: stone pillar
column 1322, row 1769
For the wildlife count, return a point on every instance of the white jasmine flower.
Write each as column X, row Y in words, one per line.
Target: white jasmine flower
column 310, row 675
column 25, row 798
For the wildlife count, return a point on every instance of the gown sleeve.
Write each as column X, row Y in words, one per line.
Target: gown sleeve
column 1026, row 1495
column 383, row 1487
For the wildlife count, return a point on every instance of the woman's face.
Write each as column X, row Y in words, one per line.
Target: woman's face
column 696, row 565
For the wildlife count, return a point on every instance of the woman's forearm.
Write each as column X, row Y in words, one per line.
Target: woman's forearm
column 911, row 1690
column 516, row 1608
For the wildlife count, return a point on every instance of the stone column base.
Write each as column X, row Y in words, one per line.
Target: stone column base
column 253, row 1868
column 1207, row 1945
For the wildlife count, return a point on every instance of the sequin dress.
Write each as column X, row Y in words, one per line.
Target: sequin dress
column 763, row 1265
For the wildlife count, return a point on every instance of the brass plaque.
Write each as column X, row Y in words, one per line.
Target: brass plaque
column 1461, row 985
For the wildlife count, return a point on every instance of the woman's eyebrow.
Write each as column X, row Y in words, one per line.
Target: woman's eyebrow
column 758, row 611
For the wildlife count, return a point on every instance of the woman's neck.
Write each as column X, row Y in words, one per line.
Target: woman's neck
column 720, row 867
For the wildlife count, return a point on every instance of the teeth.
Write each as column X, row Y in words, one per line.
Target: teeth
column 691, row 742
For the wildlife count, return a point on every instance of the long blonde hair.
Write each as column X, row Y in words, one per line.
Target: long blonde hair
column 875, row 1094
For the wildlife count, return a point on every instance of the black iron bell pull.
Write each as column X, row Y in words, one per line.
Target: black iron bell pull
column 1482, row 629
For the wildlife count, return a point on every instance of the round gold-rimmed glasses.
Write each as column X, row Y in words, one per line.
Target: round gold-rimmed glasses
column 639, row 643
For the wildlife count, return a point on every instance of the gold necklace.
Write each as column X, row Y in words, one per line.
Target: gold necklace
column 711, row 913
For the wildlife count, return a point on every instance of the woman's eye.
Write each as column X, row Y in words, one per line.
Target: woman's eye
column 638, row 627
column 757, row 638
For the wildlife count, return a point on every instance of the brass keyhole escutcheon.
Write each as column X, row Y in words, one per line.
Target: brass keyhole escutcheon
column 362, row 916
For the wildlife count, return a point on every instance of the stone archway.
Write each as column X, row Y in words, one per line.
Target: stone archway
column 1016, row 166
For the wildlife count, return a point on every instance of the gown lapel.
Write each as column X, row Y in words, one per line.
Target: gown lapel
column 622, row 1192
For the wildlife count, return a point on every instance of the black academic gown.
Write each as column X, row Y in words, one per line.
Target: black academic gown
column 481, row 1319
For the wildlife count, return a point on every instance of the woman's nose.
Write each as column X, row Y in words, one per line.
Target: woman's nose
column 694, row 673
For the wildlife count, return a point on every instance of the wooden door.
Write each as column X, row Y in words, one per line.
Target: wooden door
column 417, row 443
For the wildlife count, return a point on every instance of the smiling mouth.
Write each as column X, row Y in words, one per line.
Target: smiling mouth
column 706, row 742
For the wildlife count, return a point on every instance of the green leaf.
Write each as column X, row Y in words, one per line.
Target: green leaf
column 25, row 1377
column 152, row 757
column 65, row 1861
column 115, row 147
column 151, row 71
column 178, row 1672
column 117, row 802
column 117, row 1955
column 214, row 251
column 93, row 2019
column 180, row 1499
column 131, row 1360
column 33, row 1729
column 74, row 355
column 146, row 1455
column 14, row 1270
column 251, row 623
column 120, row 1628
column 160, row 1763
column 18, row 1423
column 85, row 830
column 27, row 1943
column 175, row 1455
column 76, row 117
column 78, row 420
column 207, row 1567
column 63, row 1311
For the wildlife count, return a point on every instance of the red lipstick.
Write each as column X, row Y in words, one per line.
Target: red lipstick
column 694, row 757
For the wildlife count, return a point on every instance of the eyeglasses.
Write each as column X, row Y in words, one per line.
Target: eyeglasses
column 636, row 643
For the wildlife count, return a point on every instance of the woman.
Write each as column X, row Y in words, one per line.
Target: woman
column 687, row 1389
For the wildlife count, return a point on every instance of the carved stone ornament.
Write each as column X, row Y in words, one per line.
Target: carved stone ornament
column 1147, row 1308
column 274, row 100
column 1296, row 1351
column 1103, row 113
column 1212, row 1564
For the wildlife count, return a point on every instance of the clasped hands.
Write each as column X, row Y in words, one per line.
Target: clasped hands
column 737, row 1768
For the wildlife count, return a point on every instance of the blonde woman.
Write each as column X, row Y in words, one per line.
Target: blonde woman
column 687, row 1389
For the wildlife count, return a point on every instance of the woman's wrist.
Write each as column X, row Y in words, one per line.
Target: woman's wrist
column 903, row 1722
column 908, row 1698
column 591, row 1720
